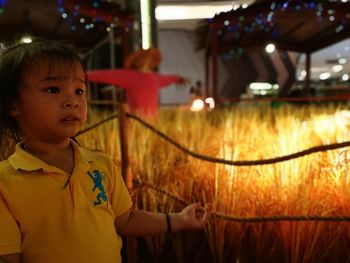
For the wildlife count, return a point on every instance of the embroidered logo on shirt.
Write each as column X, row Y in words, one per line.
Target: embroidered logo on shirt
column 97, row 178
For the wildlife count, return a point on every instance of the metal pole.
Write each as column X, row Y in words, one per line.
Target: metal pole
column 154, row 26
column 308, row 72
column 112, row 47
column 214, row 54
column 207, row 71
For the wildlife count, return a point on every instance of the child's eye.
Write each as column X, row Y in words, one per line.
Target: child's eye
column 79, row 91
column 52, row 90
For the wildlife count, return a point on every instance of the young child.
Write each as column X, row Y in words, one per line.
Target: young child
column 60, row 202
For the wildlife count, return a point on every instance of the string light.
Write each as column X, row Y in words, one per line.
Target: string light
column 270, row 48
column 75, row 18
column 266, row 22
column 26, row 39
column 2, row 6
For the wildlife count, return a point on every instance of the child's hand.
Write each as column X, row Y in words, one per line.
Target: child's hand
column 195, row 216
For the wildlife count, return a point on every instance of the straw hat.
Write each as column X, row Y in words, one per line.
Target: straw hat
column 144, row 59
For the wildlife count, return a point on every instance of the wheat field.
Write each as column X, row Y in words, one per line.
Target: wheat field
column 315, row 184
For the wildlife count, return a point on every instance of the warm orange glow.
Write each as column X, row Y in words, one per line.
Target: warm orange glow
column 316, row 184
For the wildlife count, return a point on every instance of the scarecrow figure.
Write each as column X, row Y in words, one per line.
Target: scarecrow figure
column 138, row 79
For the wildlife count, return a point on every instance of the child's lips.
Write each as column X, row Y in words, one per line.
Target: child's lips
column 70, row 118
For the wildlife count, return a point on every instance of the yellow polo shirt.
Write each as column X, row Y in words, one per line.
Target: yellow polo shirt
column 49, row 224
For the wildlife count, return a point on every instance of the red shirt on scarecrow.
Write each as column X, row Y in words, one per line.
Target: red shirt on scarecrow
column 138, row 80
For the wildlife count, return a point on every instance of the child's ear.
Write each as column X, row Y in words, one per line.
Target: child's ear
column 13, row 109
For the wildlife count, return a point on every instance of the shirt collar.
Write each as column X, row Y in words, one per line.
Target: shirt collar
column 22, row 160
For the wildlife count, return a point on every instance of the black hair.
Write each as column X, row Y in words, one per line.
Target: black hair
column 15, row 61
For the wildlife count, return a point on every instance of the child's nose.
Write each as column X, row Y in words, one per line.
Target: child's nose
column 71, row 103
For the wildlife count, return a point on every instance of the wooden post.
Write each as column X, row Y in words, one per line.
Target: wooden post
column 130, row 249
column 124, row 154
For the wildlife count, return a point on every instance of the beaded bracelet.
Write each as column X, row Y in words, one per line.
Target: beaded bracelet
column 168, row 223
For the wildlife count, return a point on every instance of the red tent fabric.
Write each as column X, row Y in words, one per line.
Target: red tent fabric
column 141, row 88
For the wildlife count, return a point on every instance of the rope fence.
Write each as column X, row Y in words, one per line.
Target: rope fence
column 256, row 219
column 320, row 148
column 141, row 184
column 308, row 151
column 114, row 116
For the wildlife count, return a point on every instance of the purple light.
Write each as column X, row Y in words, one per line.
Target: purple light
column 285, row 5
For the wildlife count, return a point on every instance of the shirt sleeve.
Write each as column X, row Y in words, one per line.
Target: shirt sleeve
column 10, row 237
column 166, row 80
column 120, row 198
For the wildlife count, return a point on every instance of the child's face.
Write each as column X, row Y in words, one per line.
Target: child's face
column 52, row 104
